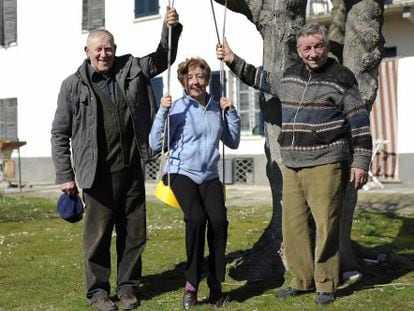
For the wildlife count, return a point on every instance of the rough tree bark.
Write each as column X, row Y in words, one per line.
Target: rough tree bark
column 277, row 22
column 356, row 41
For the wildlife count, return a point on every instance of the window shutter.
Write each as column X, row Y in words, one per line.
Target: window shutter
column 8, row 119
column 153, row 7
column 85, row 5
column 215, row 85
column 1, row 23
column 93, row 14
column 146, row 7
column 158, row 87
column 8, row 22
column 139, row 8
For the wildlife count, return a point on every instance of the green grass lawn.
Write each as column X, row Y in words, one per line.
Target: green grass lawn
column 41, row 265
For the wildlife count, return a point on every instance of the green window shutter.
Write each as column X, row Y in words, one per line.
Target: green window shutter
column 8, row 22
column 93, row 15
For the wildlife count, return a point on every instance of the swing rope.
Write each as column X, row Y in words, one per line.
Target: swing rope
column 171, row 5
column 166, row 131
column 223, row 113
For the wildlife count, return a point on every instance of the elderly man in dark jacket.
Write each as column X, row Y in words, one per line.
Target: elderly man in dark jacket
column 104, row 113
column 325, row 140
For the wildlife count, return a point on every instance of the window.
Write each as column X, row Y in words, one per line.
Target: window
column 249, row 109
column 8, row 23
column 93, row 14
column 158, row 87
column 389, row 52
column 146, row 7
column 215, row 88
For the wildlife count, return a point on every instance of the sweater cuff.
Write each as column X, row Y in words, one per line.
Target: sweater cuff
column 361, row 161
column 237, row 64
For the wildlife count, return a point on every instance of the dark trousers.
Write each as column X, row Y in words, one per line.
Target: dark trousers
column 115, row 200
column 203, row 207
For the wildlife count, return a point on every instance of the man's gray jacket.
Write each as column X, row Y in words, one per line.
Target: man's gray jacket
column 74, row 129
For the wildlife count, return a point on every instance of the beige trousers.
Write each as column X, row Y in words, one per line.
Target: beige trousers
column 311, row 212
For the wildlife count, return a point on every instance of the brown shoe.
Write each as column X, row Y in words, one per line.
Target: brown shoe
column 189, row 299
column 104, row 304
column 128, row 301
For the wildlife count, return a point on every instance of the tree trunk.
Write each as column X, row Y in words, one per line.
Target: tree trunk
column 356, row 38
column 337, row 30
column 277, row 22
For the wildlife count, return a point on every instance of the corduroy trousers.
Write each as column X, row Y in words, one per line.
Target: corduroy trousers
column 311, row 215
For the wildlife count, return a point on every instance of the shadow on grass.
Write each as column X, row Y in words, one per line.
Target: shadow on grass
column 383, row 264
column 168, row 281
column 393, row 266
column 174, row 279
column 274, row 277
column 252, row 289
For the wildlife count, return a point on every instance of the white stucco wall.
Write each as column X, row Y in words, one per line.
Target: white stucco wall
column 50, row 47
column 399, row 32
column 405, row 98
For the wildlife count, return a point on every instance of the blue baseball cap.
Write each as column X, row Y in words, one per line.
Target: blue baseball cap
column 70, row 207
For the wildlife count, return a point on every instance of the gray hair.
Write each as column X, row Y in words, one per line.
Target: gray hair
column 313, row 29
column 98, row 33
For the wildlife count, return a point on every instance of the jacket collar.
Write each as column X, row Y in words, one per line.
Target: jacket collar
column 122, row 69
column 195, row 101
column 329, row 62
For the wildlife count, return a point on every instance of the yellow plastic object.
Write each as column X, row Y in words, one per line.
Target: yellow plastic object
column 165, row 194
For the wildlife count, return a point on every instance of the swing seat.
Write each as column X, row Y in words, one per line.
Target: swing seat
column 165, row 194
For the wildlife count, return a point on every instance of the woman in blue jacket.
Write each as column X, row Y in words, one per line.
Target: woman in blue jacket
column 196, row 128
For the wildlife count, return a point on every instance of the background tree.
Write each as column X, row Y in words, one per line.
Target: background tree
column 356, row 41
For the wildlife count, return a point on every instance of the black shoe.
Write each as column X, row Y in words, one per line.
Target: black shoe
column 291, row 292
column 189, row 299
column 104, row 304
column 128, row 301
column 324, row 298
column 218, row 300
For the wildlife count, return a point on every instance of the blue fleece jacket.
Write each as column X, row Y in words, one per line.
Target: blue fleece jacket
column 195, row 133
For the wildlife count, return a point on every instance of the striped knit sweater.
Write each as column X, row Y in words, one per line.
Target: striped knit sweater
column 323, row 117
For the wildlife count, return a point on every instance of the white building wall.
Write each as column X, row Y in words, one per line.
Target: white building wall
column 399, row 32
column 50, row 47
column 405, row 97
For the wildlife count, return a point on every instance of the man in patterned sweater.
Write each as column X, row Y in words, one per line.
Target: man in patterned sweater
column 325, row 140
